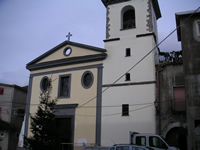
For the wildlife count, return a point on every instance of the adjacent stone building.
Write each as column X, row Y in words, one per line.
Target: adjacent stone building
column 171, row 105
column 12, row 110
column 178, row 86
column 188, row 24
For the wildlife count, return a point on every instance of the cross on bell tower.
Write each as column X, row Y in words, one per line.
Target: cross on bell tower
column 68, row 36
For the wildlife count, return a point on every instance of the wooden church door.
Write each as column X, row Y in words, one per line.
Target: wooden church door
column 64, row 133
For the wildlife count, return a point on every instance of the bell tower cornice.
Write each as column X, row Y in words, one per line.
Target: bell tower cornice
column 109, row 2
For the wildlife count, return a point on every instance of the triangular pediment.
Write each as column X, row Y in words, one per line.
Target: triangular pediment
column 67, row 53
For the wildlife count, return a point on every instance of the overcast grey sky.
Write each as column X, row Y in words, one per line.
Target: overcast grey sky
column 29, row 28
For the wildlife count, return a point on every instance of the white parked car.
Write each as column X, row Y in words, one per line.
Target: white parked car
column 153, row 141
column 128, row 147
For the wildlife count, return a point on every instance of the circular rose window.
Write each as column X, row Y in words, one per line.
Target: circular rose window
column 67, row 51
column 87, row 79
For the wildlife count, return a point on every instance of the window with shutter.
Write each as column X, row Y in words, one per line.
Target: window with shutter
column 179, row 99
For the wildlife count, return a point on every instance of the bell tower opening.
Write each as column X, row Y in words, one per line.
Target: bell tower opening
column 128, row 17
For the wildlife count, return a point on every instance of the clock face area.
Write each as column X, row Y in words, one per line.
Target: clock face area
column 67, row 51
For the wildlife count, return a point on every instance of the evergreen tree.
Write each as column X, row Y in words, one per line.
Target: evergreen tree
column 43, row 124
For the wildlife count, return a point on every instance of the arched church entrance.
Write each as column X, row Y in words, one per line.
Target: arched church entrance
column 177, row 137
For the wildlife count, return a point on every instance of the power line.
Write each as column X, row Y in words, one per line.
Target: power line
column 81, row 106
column 130, row 110
column 132, row 105
column 143, row 57
column 94, row 107
column 105, row 115
column 149, row 105
column 116, row 105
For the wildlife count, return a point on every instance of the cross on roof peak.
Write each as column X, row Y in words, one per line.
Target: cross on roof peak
column 68, row 36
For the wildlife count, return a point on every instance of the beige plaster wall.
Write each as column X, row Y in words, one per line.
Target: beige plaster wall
column 85, row 118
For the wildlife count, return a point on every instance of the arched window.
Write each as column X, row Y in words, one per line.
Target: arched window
column 128, row 17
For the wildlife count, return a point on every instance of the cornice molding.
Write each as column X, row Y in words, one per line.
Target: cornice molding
column 128, row 84
column 109, row 2
column 67, row 61
column 110, row 40
column 65, row 43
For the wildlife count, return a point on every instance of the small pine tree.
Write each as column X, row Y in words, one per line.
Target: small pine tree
column 43, row 124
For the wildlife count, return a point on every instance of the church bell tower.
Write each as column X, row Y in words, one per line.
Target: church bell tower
column 129, row 69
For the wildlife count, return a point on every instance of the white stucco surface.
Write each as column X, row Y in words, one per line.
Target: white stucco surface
column 141, row 66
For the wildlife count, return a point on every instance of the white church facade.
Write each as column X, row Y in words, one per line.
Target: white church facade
column 105, row 92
